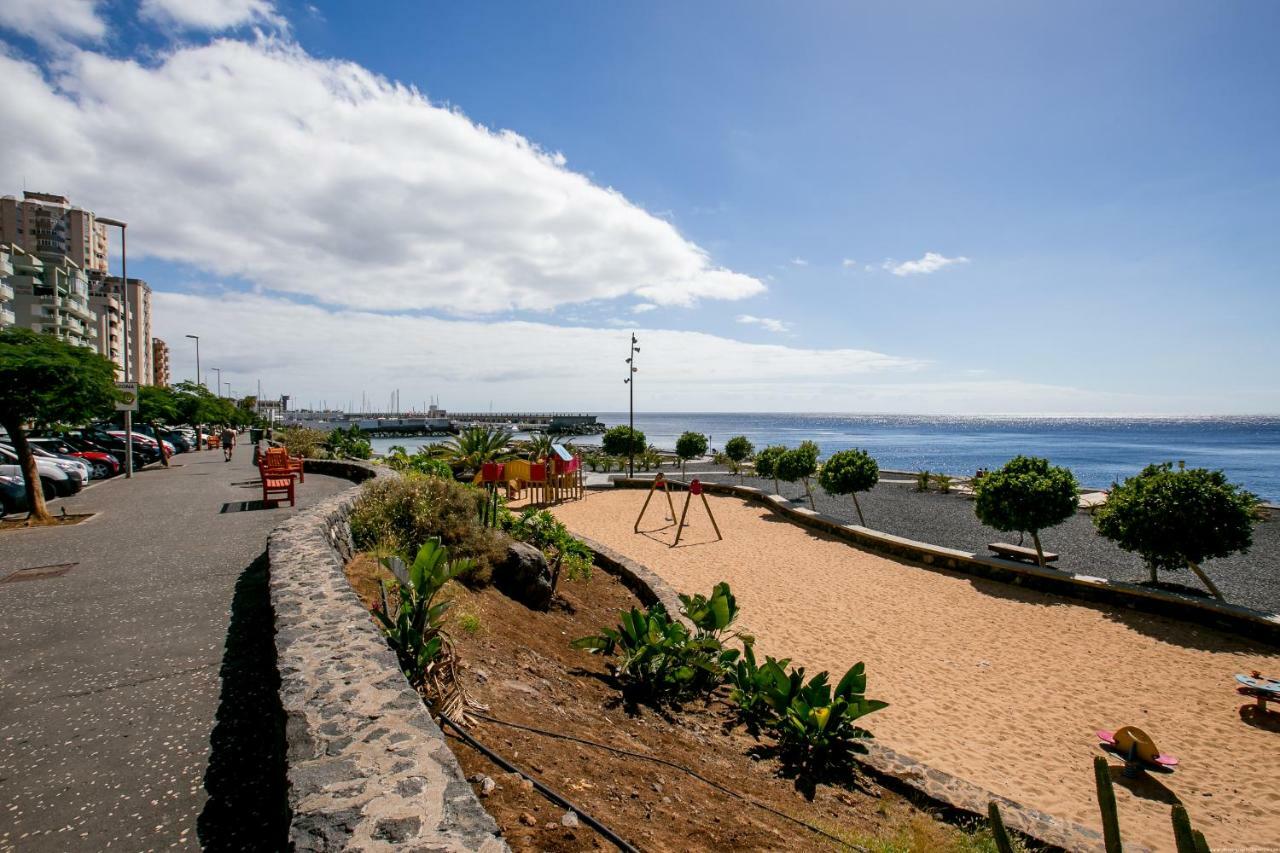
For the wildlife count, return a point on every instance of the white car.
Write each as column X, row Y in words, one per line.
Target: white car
column 57, row 481
column 79, row 468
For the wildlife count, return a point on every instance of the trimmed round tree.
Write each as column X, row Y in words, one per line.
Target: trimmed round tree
column 690, row 445
column 767, row 463
column 849, row 472
column 622, row 440
column 45, row 381
column 799, row 463
column 738, row 449
column 1175, row 518
column 1027, row 494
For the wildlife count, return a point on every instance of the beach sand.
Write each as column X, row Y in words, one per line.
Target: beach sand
column 999, row 685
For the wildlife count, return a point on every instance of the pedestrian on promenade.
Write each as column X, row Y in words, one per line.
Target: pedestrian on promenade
column 228, row 442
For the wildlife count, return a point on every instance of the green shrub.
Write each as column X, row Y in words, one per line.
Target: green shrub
column 924, row 479
column 302, row 441
column 401, row 514
column 622, row 441
column 943, row 482
column 1178, row 518
column 663, row 660
column 690, row 445
column 767, row 463
column 563, row 551
column 411, row 620
column 349, row 443
column 799, row 463
column 817, row 731
column 423, row 462
column 1027, row 494
column 849, row 472
column 470, row 623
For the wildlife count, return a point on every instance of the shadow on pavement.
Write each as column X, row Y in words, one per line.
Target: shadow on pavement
column 247, row 782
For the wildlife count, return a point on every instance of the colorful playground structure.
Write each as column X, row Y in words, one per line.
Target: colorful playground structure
column 554, row 478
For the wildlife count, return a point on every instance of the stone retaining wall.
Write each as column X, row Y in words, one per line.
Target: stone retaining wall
column 1243, row 622
column 368, row 767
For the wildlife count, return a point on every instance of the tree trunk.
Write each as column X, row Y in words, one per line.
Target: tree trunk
column 1204, row 579
column 1035, row 537
column 809, row 492
column 1152, row 565
column 776, row 489
column 38, row 512
column 164, row 456
column 858, row 507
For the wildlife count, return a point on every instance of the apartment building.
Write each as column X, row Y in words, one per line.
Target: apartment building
column 160, row 367
column 108, row 295
column 7, row 317
column 51, row 295
column 47, row 224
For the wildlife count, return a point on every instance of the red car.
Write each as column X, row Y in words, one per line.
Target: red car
column 103, row 464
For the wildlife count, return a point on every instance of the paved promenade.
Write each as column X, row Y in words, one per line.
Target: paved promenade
column 136, row 694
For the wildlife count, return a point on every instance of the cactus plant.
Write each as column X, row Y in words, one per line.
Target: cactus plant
column 1107, row 804
column 998, row 832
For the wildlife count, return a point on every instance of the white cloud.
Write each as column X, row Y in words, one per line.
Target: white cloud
column 53, row 22
column 323, row 179
column 848, row 263
column 930, row 263
column 211, row 15
column 765, row 323
column 799, row 262
column 523, row 364
column 643, row 308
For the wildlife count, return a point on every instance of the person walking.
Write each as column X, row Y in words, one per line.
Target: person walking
column 228, row 438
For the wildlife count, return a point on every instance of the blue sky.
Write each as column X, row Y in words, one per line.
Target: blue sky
column 1105, row 181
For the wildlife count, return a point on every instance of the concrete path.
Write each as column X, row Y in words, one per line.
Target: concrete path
column 136, row 694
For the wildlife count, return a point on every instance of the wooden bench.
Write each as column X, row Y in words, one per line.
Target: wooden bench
column 277, row 484
column 1017, row 552
column 278, row 457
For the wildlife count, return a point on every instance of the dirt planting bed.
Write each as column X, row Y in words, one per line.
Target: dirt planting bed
column 518, row 662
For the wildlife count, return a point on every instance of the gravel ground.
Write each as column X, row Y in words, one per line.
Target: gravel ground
column 1251, row 579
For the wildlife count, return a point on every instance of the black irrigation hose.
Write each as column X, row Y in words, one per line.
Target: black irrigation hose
column 554, row 796
column 696, row 775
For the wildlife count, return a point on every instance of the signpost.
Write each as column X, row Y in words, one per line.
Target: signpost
column 127, row 403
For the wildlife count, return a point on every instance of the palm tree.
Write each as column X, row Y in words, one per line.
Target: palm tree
column 539, row 446
column 473, row 447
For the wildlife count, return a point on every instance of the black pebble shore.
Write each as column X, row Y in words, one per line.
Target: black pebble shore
column 1251, row 579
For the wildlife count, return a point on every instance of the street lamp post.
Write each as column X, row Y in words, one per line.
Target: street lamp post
column 229, row 394
column 124, row 290
column 218, row 388
column 197, row 340
column 631, row 403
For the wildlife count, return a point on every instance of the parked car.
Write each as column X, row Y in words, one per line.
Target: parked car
column 102, row 464
column 146, row 439
column 13, row 494
column 145, row 451
column 56, row 481
column 77, row 468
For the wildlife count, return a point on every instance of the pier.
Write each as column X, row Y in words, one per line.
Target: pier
column 439, row 422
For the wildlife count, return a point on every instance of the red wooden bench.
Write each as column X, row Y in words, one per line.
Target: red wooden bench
column 278, row 457
column 279, row 484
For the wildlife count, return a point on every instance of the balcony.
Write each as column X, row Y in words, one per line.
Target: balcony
column 6, row 292
column 7, row 318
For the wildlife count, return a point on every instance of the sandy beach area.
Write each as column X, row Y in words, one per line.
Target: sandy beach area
column 993, row 683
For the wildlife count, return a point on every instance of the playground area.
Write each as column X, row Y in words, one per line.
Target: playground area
column 996, row 684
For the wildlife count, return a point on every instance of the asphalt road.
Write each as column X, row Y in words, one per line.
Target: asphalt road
column 114, row 675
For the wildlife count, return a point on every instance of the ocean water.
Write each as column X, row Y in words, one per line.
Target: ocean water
column 1098, row 450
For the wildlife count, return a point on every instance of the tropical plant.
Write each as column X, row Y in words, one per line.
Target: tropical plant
column 539, row 447
column 943, row 482
column 422, row 462
column 411, row 620
column 472, row 448
column 738, row 449
column 848, row 472
column 661, row 659
column 544, row 531
column 1175, row 518
column 818, row 730
column 690, row 445
column 349, row 443
column 46, row 381
column 1027, row 494
column 622, row 441
column 756, row 689
column 924, row 479
column 799, row 463
column 767, row 463
column 400, row 514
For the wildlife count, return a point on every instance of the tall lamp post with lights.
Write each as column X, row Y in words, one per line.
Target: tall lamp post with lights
column 631, row 418
column 218, row 388
column 196, row 338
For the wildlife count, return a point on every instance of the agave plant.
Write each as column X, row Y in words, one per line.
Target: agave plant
column 471, row 448
column 413, row 624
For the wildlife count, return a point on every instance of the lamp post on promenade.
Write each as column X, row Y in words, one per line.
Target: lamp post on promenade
column 631, row 407
column 218, row 388
column 124, row 290
column 197, row 340
column 229, row 396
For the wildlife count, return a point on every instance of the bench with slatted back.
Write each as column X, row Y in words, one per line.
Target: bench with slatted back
column 278, row 457
column 279, row 484
column 1017, row 552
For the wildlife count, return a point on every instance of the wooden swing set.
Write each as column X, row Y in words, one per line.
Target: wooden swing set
column 695, row 488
